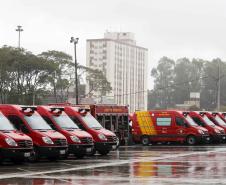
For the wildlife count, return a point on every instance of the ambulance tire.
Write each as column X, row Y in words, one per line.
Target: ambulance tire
column 191, row 140
column 145, row 140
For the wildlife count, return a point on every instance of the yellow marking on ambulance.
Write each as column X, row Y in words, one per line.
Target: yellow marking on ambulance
column 145, row 123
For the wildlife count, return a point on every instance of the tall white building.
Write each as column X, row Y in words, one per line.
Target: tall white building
column 125, row 66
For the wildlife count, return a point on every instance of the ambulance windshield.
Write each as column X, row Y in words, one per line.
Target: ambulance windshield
column 220, row 121
column 208, row 121
column 190, row 121
column 91, row 122
column 36, row 122
column 65, row 122
column 5, row 123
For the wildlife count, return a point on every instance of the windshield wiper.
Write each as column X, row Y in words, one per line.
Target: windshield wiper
column 6, row 130
column 69, row 128
column 96, row 128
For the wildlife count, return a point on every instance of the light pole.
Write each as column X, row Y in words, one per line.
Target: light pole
column 19, row 29
column 219, row 88
column 75, row 41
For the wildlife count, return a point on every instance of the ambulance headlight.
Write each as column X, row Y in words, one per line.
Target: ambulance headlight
column 102, row 137
column 75, row 139
column 200, row 131
column 10, row 142
column 217, row 131
column 47, row 140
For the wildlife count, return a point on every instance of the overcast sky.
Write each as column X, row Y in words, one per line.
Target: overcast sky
column 173, row 28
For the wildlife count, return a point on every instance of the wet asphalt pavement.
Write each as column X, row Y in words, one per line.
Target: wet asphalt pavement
column 128, row 165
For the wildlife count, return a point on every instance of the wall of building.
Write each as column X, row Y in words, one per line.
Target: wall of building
column 125, row 66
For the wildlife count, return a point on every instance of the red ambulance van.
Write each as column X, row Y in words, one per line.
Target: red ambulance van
column 216, row 133
column 104, row 140
column 14, row 144
column 166, row 126
column 48, row 143
column 80, row 142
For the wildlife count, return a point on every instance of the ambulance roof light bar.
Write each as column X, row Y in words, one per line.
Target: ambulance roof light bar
column 56, row 110
column 81, row 110
column 185, row 113
column 28, row 109
column 202, row 113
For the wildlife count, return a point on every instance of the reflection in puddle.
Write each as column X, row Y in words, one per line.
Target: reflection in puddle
column 143, row 167
column 35, row 181
column 158, row 169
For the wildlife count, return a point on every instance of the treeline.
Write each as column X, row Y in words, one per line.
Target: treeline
column 26, row 78
column 174, row 80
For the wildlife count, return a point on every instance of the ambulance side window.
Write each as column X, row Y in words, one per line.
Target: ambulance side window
column 18, row 123
column 180, row 122
column 166, row 121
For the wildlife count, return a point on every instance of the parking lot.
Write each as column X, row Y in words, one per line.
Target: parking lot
column 128, row 165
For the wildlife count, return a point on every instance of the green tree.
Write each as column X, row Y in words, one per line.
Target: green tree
column 22, row 75
column 97, row 82
column 210, row 84
column 188, row 78
column 62, row 75
column 183, row 76
column 163, row 76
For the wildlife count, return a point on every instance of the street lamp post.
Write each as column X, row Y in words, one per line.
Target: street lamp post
column 219, row 88
column 19, row 29
column 75, row 41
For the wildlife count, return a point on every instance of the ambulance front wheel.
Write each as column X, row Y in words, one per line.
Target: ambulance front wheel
column 191, row 140
column 145, row 140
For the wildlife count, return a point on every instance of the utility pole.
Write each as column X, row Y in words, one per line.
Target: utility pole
column 19, row 29
column 218, row 88
column 75, row 42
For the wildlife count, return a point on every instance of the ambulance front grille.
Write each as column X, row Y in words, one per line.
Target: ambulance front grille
column 25, row 143
column 87, row 140
column 60, row 142
column 112, row 138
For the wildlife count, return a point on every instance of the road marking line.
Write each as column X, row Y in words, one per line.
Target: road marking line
column 44, row 176
column 150, row 179
column 6, row 176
